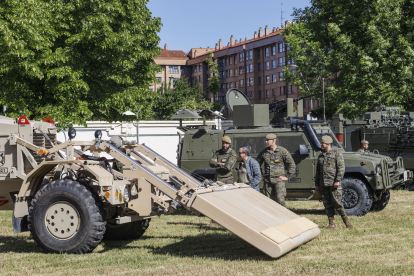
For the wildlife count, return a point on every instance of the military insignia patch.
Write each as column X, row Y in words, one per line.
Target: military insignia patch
column 223, row 160
column 276, row 160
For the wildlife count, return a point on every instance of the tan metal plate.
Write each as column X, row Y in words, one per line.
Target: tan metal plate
column 275, row 235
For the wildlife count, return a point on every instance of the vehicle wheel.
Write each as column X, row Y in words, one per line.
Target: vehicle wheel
column 127, row 231
column 65, row 216
column 382, row 203
column 356, row 196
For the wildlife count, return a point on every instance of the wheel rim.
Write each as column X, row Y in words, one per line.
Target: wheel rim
column 62, row 220
column 349, row 198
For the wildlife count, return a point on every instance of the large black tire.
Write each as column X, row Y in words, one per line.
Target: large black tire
column 127, row 231
column 356, row 197
column 380, row 205
column 66, row 216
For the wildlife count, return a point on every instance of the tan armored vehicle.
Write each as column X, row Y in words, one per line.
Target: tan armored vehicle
column 70, row 200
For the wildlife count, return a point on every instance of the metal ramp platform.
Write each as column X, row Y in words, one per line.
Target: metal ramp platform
column 255, row 218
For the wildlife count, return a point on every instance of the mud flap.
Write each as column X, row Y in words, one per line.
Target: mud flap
column 19, row 224
column 255, row 218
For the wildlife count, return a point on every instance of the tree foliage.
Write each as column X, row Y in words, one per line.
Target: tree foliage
column 76, row 60
column 214, row 80
column 177, row 96
column 364, row 48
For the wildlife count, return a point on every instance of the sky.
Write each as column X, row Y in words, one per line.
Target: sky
column 198, row 24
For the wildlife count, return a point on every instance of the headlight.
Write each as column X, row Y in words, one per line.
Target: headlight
column 126, row 194
column 378, row 169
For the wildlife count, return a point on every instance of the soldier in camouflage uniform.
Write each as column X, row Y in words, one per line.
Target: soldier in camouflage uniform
column 330, row 170
column 279, row 166
column 223, row 161
column 364, row 146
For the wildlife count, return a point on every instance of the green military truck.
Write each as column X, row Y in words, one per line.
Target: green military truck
column 388, row 130
column 367, row 180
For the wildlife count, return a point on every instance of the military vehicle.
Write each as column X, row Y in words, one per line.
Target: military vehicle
column 367, row 180
column 388, row 131
column 70, row 198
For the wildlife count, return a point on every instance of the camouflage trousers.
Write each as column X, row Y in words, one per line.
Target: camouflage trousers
column 227, row 180
column 331, row 198
column 276, row 190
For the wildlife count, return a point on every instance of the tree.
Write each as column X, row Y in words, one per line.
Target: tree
column 77, row 60
column 214, row 80
column 180, row 95
column 363, row 48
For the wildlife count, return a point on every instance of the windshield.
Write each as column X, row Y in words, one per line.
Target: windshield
column 335, row 144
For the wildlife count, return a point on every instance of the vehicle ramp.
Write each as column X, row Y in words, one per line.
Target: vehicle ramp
column 255, row 218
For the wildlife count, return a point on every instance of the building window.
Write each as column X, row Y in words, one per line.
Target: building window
column 199, row 78
column 151, row 90
column 281, row 61
column 267, row 94
column 266, row 52
column 273, row 50
column 235, row 84
column 241, row 83
column 222, row 87
column 249, row 82
column 267, row 65
column 249, row 68
column 273, row 64
column 273, row 92
column 220, row 62
column 267, row 79
column 231, row 72
column 241, row 69
column 259, row 80
column 195, row 68
column 260, row 94
column 281, row 47
column 287, row 47
column 241, row 57
column 182, row 70
column 290, row 89
column 230, row 85
column 274, row 78
column 221, row 74
column 173, row 69
column 235, row 72
column 227, row 86
column 225, row 61
column 282, row 90
column 226, row 73
column 231, row 60
column 159, row 79
column 250, row 94
column 258, row 53
column 258, row 67
column 304, row 103
column 281, row 76
column 291, row 61
column 199, row 68
column 251, row 54
column 173, row 80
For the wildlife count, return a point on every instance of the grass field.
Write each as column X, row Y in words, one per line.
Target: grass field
column 382, row 243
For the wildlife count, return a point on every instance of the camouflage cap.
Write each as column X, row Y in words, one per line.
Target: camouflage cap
column 226, row 139
column 326, row 139
column 364, row 142
column 270, row 136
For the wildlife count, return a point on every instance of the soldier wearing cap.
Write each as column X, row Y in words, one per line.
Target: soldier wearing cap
column 330, row 170
column 279, row 166
column 223, row 161
column 364, row 146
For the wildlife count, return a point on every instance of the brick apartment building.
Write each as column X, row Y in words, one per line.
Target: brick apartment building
column 253, row 66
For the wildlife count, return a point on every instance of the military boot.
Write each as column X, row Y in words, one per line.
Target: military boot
column 346, row 221
column 332, row 224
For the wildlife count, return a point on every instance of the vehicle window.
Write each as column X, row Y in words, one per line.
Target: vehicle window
column 335, row 144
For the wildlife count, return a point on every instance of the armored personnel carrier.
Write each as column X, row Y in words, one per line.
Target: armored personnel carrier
column 70, row 198
column 388, row 131
column 368, row 178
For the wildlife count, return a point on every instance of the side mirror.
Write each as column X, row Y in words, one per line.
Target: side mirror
column 303, row 150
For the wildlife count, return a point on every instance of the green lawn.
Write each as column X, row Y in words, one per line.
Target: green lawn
column 382, row 243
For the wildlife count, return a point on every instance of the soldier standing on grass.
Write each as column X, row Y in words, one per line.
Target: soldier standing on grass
column 223, row 161
column 330, row 170
column 279, row 166
column 364, row 146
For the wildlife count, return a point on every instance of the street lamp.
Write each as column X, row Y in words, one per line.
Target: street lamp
column 129, row 113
